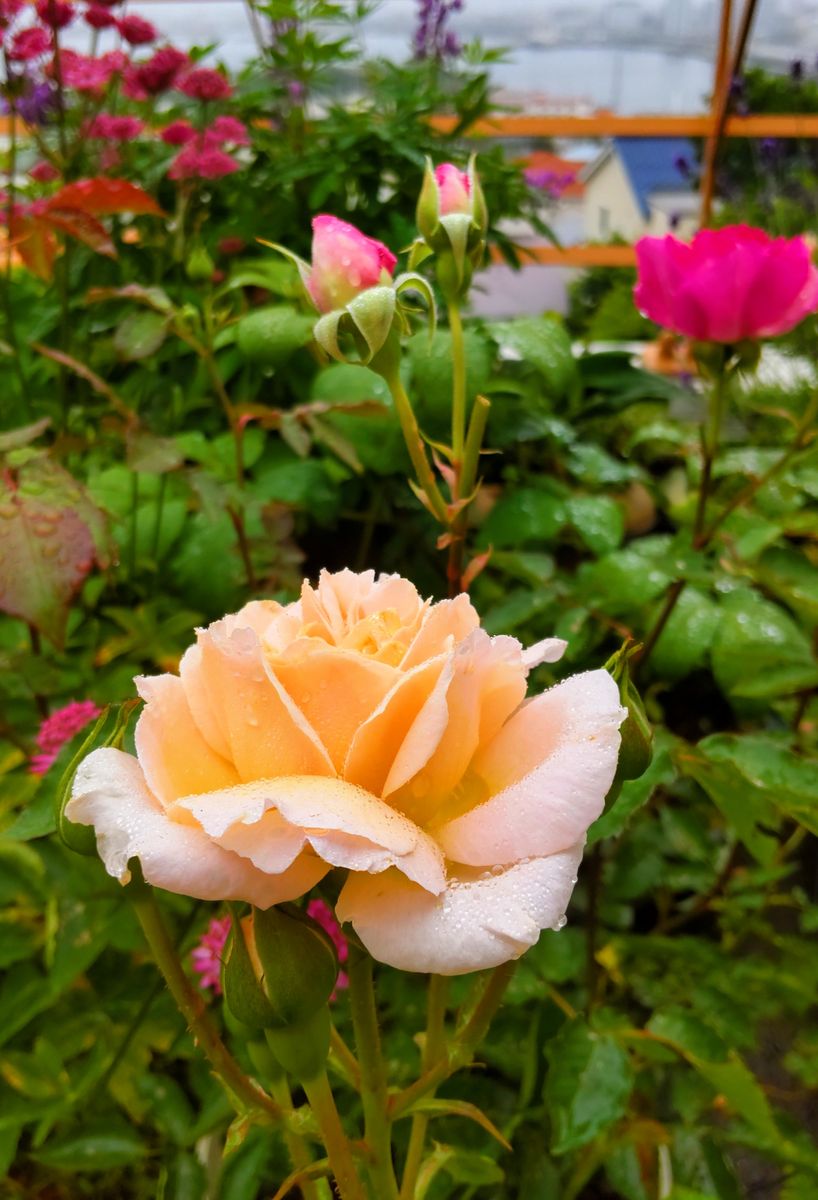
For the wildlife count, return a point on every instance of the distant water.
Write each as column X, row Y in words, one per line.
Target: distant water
column 627, row 80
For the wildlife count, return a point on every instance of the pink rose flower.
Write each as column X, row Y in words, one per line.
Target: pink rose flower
column 137, row 31
column 345, row 262
column 59, row 728
column 726, row 285
column 29, row 43
column 366, row 729
column 203, row 83
column 453, row 190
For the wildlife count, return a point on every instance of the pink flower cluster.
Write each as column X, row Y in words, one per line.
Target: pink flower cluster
column 207, row 956
column 59, row 728
column 106, row 127
column 90, row 75
column 203, row 155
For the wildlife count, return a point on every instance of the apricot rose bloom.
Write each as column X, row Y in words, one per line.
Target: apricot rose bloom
column 366, row 729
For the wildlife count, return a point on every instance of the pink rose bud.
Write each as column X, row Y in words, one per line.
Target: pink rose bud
column 345, row 262
column 727, row 285
column 454, row 190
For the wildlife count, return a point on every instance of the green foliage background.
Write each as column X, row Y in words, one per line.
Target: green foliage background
column 662, row 1045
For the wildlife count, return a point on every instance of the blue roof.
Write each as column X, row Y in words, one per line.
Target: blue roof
column 652, row 165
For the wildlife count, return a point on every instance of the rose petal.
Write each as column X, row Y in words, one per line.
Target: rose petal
column 443, row 626
column 110, row 793
column 266, row 732
column 345, row 825
column 549, row 650
column 174, row 755
column 336, row 691
column 472, row 699
column 480, row 921
column 546, row 775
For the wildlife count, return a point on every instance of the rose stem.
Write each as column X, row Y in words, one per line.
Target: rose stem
column 417, row 452
column 462, row 1046
column 468, row 478
column 299, row 1151
column 458, row 385
column 340, row 1155
column 373, row 1076
column 711, row 427
column 191, row 1004
column 433, row 1048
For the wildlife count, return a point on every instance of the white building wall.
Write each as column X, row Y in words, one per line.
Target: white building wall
column 610, row 205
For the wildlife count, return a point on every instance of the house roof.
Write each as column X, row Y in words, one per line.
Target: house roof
column 651, row 165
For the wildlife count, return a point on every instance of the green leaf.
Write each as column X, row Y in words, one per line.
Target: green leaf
column 140, row 335
column 432, row 372
column 758, row 650
column 526, row 515
column 100, row 1150
column 749, row 811
column 791, row 577
column 544, row 343
column 46, row 546
column 587, row 1087
column 769, row 769
column 269, row 336
column 684, row 644
column 626, row 581
column 598, row 520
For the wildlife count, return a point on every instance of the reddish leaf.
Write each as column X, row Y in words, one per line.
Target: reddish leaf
column 104, row 197
column 34, row 241
column 46, row 550
column 82, row 226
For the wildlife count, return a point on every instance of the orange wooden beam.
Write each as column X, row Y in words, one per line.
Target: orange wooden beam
column 605, row 124
column 572, row 256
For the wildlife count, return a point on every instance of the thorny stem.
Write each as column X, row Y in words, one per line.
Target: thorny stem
column 417, row 453
column 710, row 443
column 297, row 1147
column 432, row 1049
column 468, row 480
column 373, row 1075
column 332, row 1134
column 458, row 387
column 460, row 1049
column 191, row 1005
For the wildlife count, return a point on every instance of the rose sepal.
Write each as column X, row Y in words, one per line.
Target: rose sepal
column 302, row 1049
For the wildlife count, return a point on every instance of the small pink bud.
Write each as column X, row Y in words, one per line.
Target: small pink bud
column 345, row 262
column 453, row 189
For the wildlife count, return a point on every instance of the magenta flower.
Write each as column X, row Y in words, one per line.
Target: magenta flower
column 92, row 75
column 323, row 915
column 726, row 285
column 29, row 43
column 56, row 13
column 99, row 17
column 207, row 955
column 196, row 161
column 110, row 128
column 137, row 31
column 345, row 262
column 453, row 190
column 43, row 172
column 228, row 129
column 155, row 75
column 59, row 728
column 178, row 133
column 203, row 83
